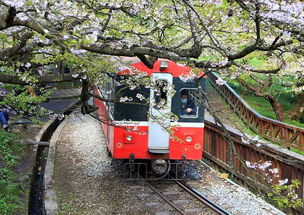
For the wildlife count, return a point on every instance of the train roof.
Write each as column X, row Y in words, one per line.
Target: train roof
column 161, row 66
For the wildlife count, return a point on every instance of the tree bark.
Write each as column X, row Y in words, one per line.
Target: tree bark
column 14, row 79
column 86, row 108
column 276, row 106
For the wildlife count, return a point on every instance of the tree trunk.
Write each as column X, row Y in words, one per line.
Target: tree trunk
column 85, row 96
column 277, row 107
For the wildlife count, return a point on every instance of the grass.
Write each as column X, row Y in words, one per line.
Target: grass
column 263, row 107
column 10, row 188
column 293, row 122
column 259, row 104
column 297, row 151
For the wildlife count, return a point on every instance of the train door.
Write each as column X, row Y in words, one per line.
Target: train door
column 160, row 107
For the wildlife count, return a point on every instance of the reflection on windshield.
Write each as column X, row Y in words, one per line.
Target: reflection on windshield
column 160, row 94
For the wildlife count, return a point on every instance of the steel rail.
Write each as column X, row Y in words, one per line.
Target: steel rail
column 195, row 194
column 202, row 198
column 163, row 197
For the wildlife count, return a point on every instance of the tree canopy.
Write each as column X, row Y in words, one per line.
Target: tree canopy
column 39, row 37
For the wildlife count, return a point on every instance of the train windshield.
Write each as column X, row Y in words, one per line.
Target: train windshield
column 188, row 103
column 132, row 103
column 160, row 94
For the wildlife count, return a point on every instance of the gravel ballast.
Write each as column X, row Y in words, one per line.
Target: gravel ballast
column 87, row 181
column 234, row 198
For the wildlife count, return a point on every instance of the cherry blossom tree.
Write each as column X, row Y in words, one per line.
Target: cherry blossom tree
column 82, row 35
column 40, row 39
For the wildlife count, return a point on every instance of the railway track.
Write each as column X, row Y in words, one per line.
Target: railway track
column 186, row 200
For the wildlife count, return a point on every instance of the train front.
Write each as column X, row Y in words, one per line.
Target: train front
column 157, row 136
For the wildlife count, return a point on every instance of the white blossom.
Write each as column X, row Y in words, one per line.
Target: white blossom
column 274, row 170
column 22, row 16
column 77, row 51
column 265, row 165
column 220, row 81
column 250, row 165
column 161, row 103
column 93, row 36
column 187, row 77
column 14, row 3
column 284, row 181
column 246, row 141
column 286, row 34
column 124, row 99
column 140, row 96
column 132, row 87
column 61, row 116
column 233, row 76
column 295, row 196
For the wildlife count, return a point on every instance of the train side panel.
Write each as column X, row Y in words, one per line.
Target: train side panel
column 103, row 116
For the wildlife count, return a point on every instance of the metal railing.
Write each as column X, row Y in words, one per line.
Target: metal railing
column 276, row 131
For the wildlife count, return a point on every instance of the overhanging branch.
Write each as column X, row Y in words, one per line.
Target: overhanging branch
column 14, row 79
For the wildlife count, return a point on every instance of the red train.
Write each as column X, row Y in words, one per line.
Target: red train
column 136, row 130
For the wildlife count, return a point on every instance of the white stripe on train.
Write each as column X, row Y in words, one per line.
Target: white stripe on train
column 178, row 124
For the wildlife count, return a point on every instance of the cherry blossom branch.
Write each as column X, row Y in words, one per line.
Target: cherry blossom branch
column 10, row 52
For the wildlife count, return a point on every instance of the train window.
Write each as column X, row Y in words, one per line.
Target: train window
column 160, row 94
column 135, row 109
column 188, row 103
column 107, row 92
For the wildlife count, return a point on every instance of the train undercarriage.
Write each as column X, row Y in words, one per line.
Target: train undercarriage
column 157, row 169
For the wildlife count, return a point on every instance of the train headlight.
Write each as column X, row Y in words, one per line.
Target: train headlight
column 197, row 146
column 129, row 138
column 188, row 139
